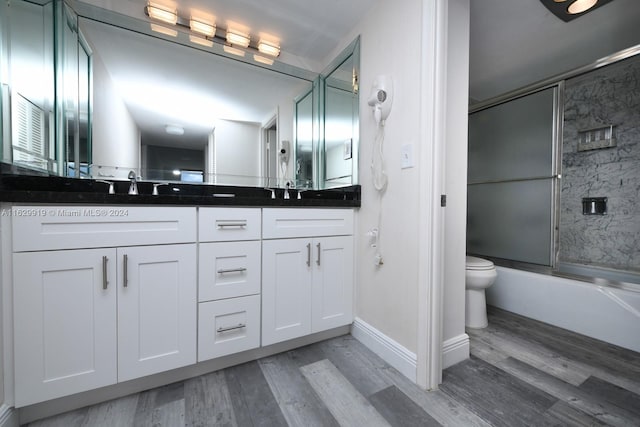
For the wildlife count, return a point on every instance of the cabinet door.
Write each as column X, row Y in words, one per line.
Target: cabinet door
column 156, row 309
column 332, row 289
column 65, row 322
column 286, row 289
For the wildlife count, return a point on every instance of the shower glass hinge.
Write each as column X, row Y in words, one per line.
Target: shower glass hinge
column 443, row 200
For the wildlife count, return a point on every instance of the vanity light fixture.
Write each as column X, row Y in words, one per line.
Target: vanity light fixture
column 200, row 40
column 161, row 13
column 164, row 30
column 202, row 27
column 202, row 30
column 263, row 60
column 233, row 50
column 269, row 48
column 568, row 10
column 238, row 38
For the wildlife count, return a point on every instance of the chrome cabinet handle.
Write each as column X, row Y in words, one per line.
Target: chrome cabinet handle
column 232, row 270
column 240, row 224
column 125, row 261
column 105, row 279
column 231, row 328
column 308, row 254
column 318, row 260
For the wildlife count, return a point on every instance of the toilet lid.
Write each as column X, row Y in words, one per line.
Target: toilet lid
column 475, row 263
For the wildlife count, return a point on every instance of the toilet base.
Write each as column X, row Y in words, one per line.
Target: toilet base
column 475, row 309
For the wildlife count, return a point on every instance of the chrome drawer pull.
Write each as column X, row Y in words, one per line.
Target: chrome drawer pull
column 232, row 270
column 240, row 224
column 125, row 262
column 308, row 254
column 232, row 328
column 319, row 250
column 105, row 281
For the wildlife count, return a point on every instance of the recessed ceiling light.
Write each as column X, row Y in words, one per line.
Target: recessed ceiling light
column 174, row 130
column 580, row 6
column 568, row 10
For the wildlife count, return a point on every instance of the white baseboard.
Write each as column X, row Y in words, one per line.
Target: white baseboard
column 389, row 350
column 455, row 350
column 8, row 416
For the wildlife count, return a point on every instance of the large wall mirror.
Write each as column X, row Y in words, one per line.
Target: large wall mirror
column 120, row 97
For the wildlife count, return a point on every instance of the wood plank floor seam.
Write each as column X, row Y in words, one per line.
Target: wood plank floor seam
column 521, row 372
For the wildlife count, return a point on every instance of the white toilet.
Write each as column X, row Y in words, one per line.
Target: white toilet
column 479, row 275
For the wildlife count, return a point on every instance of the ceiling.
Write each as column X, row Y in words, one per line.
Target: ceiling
column 307, row 29
column 516, row 43
column 513, row 43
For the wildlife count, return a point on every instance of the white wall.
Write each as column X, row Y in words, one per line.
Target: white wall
column 456, row 182
column 236, row 152
column 116, row 137
column 390, row 298
column 386, row 296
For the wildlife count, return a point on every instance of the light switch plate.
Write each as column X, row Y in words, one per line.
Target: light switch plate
column 406, row 160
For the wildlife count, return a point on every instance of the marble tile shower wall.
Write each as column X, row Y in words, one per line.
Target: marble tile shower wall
column 607, row 96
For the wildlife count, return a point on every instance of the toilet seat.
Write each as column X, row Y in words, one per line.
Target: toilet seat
column 475, row 263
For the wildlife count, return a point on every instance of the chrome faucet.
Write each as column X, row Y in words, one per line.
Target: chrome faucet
column 133, row 187
column 286, row 190
column 112, row 190
column 155, row 188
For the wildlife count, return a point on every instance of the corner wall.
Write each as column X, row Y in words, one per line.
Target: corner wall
column 455, row 340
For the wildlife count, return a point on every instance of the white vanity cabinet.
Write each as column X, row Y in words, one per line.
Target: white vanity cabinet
column 87, row 315
column 229, row 278
column 307, row 272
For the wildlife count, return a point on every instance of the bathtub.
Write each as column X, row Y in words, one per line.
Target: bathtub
column 602, row 311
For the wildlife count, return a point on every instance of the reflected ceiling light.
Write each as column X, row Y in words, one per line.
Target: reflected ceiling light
column 568, row 10
column 164, row 30
column 238, row 38
column 176, row 172
column 174, row 130
column 233, row 50
column 200, row 40
column 161, row 13
column 263, row 60
column 580, row 6
column 269, row 48
column 202, row 27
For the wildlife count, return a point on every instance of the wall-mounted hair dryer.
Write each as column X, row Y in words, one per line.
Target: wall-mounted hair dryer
column 285, row 148
column 381, row 98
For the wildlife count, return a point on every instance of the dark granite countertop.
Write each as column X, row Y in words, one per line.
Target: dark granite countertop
column 51, row 190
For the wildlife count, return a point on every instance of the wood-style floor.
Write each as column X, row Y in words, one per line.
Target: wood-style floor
column 521, row 373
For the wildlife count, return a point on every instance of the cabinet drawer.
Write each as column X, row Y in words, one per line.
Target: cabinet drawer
column 228, row 326
column 228, row 269
column 227, row 224
column 290, row 223
column 78, row 227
